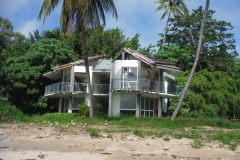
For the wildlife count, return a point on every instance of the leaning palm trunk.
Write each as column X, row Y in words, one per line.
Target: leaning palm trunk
column 165, row 32
column 194, row 65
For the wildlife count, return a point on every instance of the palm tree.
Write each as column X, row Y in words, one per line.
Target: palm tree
column 175, row 7
column 194, row 64
column 80, row 14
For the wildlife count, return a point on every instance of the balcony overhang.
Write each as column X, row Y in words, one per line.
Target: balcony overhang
column 53, row 74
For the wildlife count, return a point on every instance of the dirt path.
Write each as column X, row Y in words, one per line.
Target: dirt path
column 41, row 142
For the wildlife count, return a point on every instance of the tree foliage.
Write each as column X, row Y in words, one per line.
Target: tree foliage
column 176, row 55
column 218, row 46
column 210, row 94
column 24, row 73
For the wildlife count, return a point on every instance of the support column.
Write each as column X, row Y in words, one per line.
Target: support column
column 160, row 107
column 110, row 105
column 70, row 104
column 138, row 105
column 60, row 105
column 110, row 88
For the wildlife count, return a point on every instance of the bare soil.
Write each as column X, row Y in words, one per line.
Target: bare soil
column 34, row 142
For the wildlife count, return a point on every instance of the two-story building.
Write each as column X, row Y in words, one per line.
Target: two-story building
column 132, row 83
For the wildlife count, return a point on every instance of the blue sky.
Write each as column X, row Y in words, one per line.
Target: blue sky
column 135, row 16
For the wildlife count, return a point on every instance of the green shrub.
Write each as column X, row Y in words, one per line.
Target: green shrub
column 9, row 112
column 94, row 132
column 83, row 109
column 96, row 109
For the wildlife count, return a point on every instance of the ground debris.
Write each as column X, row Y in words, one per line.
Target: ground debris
column 107, row 153
column 136, row 154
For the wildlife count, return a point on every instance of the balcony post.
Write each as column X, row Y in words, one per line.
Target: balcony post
column 160, row 107
column 70, row 104
column 60, row 105
column 138, row 105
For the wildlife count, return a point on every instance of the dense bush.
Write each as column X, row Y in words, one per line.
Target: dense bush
column 211, row 94
column 9, row 112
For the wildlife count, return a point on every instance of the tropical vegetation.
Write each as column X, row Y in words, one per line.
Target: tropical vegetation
column 214, row 89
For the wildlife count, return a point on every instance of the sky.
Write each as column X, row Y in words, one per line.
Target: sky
column 134, row 16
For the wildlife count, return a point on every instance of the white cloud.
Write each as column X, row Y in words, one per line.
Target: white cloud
column 28, row 26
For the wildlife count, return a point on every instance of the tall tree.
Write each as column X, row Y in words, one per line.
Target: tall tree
column 175, row 7
column 218, row 45
column 24, row 73
column 194, row 64
column 11, row 44
column 82, row 14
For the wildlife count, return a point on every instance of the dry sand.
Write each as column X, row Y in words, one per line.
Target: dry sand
column 34, row 142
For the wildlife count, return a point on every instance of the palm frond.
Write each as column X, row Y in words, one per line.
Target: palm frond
column 166, row 13
column 47, row 7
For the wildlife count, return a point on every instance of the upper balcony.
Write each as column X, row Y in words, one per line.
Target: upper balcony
column 145, row 85
column 101, row 89
column 65, row 88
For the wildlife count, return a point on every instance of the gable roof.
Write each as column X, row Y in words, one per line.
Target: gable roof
column 152, row 61
column 55, row 72
column 78, row 62
column 148, row 59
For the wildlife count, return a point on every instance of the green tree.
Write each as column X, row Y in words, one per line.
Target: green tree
column 210, row 94
column 11, row 44
column 236, row 73
column 24, row 73
column 132, row 43
column 218, row 45
column 176, row 55
column 109, row 42
column 175, row 7
column 194, row 64
column 82, row 14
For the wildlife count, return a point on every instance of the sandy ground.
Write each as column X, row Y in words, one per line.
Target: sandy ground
column 34, row 142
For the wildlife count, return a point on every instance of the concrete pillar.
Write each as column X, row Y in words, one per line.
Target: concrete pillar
column 110, row 88
column 138, row 105
column 60, row 105
column 110, row 105
column 160, row 107
column 70, row 104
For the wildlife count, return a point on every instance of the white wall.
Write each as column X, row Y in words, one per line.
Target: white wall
column 80, row 69
column 118, row 64
column 115, row 104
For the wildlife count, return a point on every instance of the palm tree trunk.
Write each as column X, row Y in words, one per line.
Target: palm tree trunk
column 85, row 53
column 165, row 31
column 194, row 65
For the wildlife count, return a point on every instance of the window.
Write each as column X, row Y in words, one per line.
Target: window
column 128, row 102
column 147, row 105
column 129, row 76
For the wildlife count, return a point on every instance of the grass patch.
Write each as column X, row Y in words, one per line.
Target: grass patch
column 138, row 133
column 94, row 132
column 197, row 144
column 166, row 139
column 232, row 139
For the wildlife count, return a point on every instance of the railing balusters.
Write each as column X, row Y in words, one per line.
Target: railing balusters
column 144, row 85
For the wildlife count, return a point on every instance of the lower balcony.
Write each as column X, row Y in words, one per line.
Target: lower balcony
column 65, row 88
column 145, row 85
